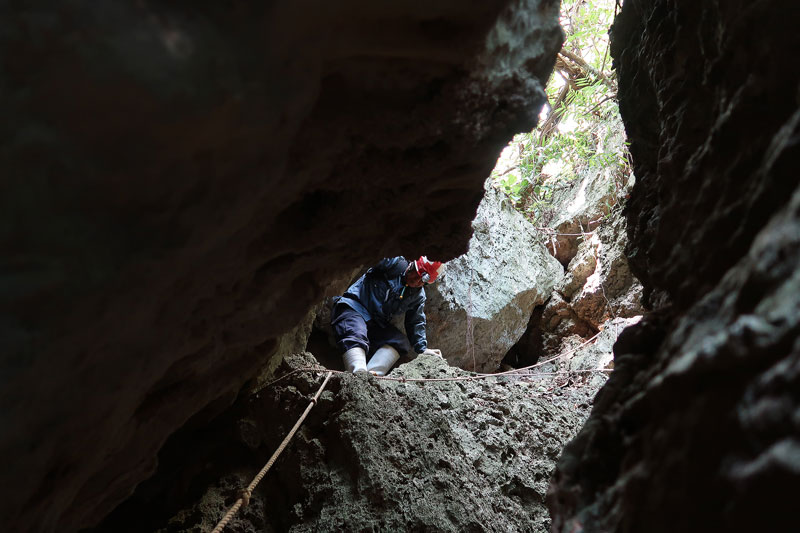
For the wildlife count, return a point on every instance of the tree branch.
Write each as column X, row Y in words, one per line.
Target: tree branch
column 586, row 67
column 555, row 115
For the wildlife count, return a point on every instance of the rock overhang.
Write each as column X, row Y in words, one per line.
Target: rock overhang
column 183, row 182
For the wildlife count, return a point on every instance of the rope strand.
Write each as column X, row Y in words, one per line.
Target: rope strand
column 474, row 377
column 244, row 498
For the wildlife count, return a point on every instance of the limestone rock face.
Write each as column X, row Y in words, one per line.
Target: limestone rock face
column 182, row 181
column 483, row 302
column 609, row 290
column 718, row 416
column 586, row 232
column 708, row 119
column 697, row 428
column 584, row 360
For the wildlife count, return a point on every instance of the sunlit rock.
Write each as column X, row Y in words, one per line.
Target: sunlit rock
column 482, row 304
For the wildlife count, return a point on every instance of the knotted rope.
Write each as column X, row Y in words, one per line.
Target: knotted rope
column 244, row 498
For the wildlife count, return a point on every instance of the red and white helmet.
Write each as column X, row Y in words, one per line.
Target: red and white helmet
column 427, row 269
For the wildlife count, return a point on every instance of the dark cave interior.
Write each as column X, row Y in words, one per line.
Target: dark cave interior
column 183, row 183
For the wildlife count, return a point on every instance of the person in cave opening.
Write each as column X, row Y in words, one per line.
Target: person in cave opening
column 361, row 318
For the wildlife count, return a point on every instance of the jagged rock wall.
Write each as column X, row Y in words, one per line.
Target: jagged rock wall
column 586, row 232
column 703, row 111
column 598, row 286
column 697, row 428
column 579, row 361
column 481, row 306
column 181, row 182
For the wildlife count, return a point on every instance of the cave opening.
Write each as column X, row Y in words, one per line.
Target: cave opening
column 183, row 183
column 568, row 178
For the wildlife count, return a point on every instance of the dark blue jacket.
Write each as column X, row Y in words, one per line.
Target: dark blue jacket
column 380, row 294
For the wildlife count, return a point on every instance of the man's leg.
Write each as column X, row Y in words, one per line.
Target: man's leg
column 351, row 336
column 383, row 360
column 392, row 343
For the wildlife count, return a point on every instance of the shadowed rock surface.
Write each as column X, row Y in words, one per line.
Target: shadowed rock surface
column 697, row 428
column 181, row 183
column 394, row 456
column 710, row 119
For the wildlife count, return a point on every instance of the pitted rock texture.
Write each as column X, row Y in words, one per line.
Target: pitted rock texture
column 582, row 361
column 209, row 510
column 403, row 456
column 181, row 182
column 598, row 285
column 481, row 306
column 697, row 428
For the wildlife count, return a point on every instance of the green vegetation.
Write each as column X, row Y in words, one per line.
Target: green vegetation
column 579, row 129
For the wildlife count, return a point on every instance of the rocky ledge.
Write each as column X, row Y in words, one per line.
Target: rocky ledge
column 472, row 455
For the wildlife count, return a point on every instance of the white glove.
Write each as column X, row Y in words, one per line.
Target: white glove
column 429, row 351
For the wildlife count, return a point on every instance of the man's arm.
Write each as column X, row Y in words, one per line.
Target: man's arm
column 416, row 327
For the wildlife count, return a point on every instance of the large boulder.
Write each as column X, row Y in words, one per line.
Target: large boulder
column 380, row 455
column 181, row 182
column 482, row 305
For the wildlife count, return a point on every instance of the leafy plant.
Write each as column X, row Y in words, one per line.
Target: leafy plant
column 578, row 126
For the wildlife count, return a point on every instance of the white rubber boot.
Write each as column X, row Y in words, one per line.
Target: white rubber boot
column 355, row 360
column 383, row 360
